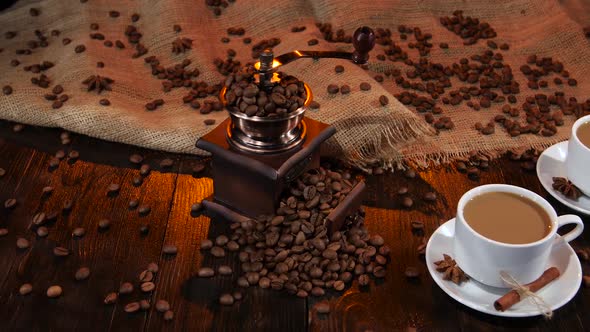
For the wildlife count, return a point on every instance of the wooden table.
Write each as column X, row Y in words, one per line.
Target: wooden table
column 119, row 254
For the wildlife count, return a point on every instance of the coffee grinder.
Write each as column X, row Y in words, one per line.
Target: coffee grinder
column 254, row 158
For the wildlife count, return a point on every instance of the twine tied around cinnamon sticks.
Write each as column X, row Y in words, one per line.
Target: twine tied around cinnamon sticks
column 520, row 291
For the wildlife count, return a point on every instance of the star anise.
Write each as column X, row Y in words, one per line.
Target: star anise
column 180, row 45
column 567, row 188
column 98, row 83
column 450, row 269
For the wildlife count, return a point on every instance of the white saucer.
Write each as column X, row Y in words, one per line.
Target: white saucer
column 481, row 297
column 552, row 163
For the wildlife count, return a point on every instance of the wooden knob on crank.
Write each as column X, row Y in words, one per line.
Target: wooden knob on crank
column 363, row 41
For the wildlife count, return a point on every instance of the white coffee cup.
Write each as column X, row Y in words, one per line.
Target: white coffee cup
column 483, row 259
column 578, row 159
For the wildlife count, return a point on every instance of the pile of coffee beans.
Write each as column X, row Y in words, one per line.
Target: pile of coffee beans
column 467, row 27
column 292, row 250
column 245, row 96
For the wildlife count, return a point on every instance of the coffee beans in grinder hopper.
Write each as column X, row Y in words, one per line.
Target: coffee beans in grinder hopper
column 246, row 97
column 292, row 251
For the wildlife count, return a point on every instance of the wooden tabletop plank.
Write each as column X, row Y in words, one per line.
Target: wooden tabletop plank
column 394, row 303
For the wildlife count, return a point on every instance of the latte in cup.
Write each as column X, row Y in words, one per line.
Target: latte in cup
column 504, row 228
column 583, row 134
column 507, row 217
column 578, row 155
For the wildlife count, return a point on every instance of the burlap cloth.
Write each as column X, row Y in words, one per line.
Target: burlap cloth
column 366, row 133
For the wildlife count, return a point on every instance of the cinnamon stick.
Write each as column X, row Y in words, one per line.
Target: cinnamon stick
column 511, row 298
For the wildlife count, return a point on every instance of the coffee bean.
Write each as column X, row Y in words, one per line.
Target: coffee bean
column 209, row 122
column 135, row 158
column 54, row 291
column 61, row 251
column 430, row 196
column 10, row 203
column 224, row 270
column 233, row 246
column 384, row 250
column 410, row 174
column 144, row 210
column 78, row 232
column 22, row 243
column 339, row 69
column 147, row 287
column 221, row 240
column 144, row 305
column 206, row 244
column 339, row 285
column 322, row 307
column 168, row 315
column 42, row 231
column 217, row 252
column 443, row 45
column 153, row 267
column 3, row 232
column 34, row 12
column 7, row 90
column 111, row 298
column 53, row 162
column 132, row 307
column 2, row 172
column 146, row 276
column 25, row 289
column 126, row 288
column 162, row 305
column 169, row 249
column 166, row 163
column 104, row 224
column 417, row 225
column 39, row 218
column 411, row 272
column 226, row 299
column 80, row 48
column 407, row 202
column 344, row 89
column 206, row 272
column 74, row 155
column 114, row 13
column 82, row 273
column 144, row 170
column 383, row 100
column 365, row 86
column 135, row 17
column 402, row 190
column 379, row 272
column 312, row 42
column 17, row 128
column 333, row 89
column 376, row 240
column 113, row 188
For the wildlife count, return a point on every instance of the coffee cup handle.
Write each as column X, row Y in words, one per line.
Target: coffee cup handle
column 571, row 219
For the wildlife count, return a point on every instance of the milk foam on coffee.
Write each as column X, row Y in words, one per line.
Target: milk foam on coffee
column 583, row 134
column 507, row 217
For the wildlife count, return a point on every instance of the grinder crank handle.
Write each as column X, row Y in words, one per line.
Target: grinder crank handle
column 363, row 41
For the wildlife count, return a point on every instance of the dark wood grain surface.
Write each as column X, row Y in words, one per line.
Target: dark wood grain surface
column 121, row 253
